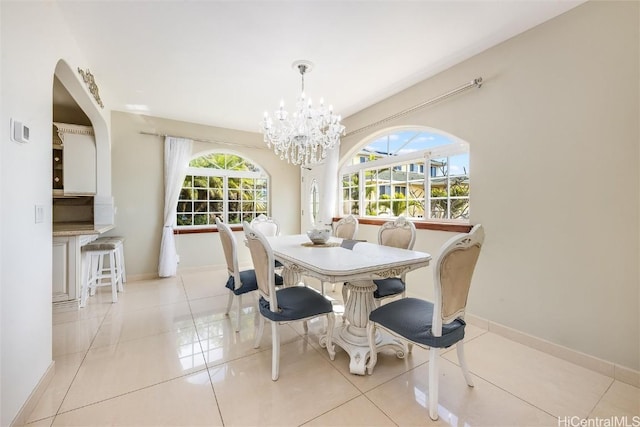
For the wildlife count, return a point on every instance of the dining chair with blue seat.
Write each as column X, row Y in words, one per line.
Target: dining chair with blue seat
column 239, row 282
column 283, row 305
column 439, row 324
column 346, row 228
column 269, row 227
column 400, row 233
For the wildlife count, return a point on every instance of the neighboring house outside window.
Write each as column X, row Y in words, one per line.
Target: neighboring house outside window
column 392, row 182
column 224, row 185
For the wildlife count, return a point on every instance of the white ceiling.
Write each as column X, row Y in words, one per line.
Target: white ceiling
column 224, row 63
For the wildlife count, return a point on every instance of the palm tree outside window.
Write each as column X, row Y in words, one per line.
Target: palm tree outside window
column 224, row 185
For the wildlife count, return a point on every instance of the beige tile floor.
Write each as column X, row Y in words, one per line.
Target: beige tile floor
column 166, row 354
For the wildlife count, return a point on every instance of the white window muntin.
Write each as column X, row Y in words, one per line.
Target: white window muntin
column 226, row 174
column 447, row 151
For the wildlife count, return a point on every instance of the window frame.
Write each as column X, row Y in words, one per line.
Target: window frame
column 225, row 174
column 457, row 147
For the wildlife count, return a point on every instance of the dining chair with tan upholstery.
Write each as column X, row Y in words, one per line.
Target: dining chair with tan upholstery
column 439, row 324
column 269, row 227
column 346, row 228
column 283, row 305
column 266, row 225
column 239, row 282
column 400, row 233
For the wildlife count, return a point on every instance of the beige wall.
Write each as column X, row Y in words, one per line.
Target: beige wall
column 138, row 189
column 554, row 173
column 34, row 38
column 554, row 145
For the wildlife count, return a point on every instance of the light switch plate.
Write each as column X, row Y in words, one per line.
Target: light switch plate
column 19, row 132
column 39, row 213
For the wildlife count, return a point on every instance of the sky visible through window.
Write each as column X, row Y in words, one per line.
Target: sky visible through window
column 403, row 142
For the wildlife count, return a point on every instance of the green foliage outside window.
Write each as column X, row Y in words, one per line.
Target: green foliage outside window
column 221, row 185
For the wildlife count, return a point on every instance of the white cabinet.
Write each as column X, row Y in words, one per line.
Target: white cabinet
column 78, row 156
column 65, row 257
column 67, row 266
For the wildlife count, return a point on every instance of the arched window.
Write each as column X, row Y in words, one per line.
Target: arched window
column 222, row 185
column 417, row 173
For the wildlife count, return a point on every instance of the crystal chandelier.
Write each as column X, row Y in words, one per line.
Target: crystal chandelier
column 305, row 136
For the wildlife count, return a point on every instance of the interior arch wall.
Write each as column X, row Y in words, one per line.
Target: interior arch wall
column 103, row 202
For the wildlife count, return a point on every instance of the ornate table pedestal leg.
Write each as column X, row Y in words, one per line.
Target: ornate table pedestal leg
column 291, row 274
column 353, row 336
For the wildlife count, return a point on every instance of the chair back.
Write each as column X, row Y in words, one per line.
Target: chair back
column 399, row 233
column 452, row 276
column 229, row 247
column 263, row 262
column 346, row 228
column 266, row 225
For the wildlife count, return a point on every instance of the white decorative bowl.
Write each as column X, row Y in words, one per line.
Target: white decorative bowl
column 319, row 236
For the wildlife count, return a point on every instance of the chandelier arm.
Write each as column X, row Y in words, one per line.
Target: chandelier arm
column 304, row 136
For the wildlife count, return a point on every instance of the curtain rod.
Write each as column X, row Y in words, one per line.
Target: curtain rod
column 210, row 141
column 477, row 82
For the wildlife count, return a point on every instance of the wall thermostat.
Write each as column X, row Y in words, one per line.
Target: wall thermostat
column 19, row 132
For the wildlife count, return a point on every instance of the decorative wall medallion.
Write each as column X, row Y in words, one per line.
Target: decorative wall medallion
column 91, row 84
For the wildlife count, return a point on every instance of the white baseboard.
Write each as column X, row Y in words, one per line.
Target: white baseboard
column 604, row 367
column 28, row 407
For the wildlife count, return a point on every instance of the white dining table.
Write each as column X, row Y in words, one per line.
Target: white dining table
column 357, row 264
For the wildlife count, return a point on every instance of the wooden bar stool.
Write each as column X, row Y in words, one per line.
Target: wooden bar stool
column 94, row 270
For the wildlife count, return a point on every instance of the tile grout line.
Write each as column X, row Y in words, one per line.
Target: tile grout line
column 80, row 365
column 206, row 365
column 613, row 380
column 141, row 388
column 130, row 391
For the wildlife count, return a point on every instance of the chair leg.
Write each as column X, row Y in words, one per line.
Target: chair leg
column 373, row 351
column 124, row 271
column 86, row 276
column 120, row 269
column 97, row 272
column 259, row 333
column 114, row 280
column 463, row 363
column 229, row 303
column 238, row 314
column 433, row 383
column 275, row 354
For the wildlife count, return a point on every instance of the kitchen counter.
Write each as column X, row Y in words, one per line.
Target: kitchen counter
column 62, row 229
column 68, row 239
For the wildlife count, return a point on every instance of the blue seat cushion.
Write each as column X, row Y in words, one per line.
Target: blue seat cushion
column 294, row 303
column 249, row 282
column 411, row 318
column 388, row 287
